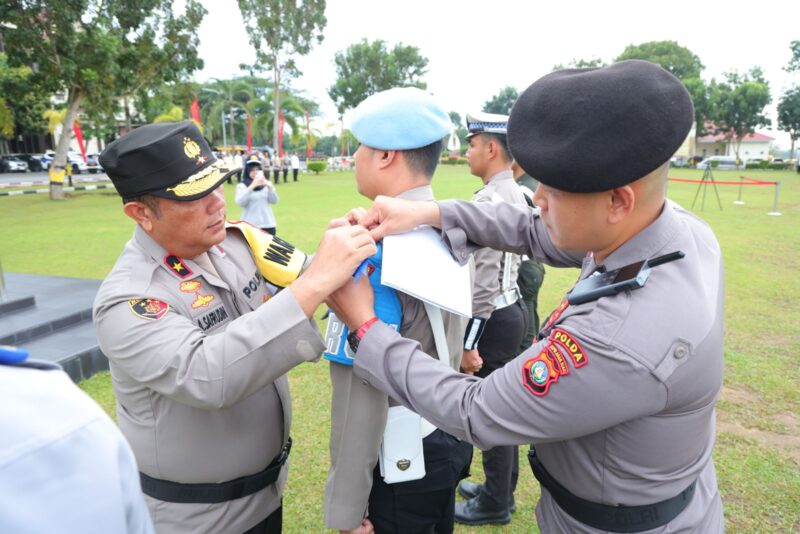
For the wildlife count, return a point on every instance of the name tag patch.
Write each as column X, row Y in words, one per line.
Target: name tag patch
column 213, row 318
column 572, row 347
column 150, row 309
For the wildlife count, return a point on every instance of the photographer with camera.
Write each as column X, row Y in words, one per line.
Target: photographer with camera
column 255, row 194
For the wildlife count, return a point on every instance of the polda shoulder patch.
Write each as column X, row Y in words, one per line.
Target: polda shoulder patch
column 572, row 347
column 150, row 309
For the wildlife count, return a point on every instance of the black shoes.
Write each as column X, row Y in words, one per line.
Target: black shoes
column 472, row 512
column 470, row 490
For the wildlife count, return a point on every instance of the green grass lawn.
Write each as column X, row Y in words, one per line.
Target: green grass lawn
column 758, row 447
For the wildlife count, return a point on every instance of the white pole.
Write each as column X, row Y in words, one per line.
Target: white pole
column 739, row 201
column 775, row 212
column 224, row 136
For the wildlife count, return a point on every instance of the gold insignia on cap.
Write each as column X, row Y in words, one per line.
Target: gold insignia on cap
column 199, row 182
column 191, row 148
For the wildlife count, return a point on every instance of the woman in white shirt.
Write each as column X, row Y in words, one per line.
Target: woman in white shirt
column 255, row 194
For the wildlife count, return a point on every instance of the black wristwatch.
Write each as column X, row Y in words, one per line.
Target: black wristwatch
column 353, row 340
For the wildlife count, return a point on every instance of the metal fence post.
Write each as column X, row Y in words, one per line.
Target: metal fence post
column 775, row 211
column 739, row 200
column 2, row 284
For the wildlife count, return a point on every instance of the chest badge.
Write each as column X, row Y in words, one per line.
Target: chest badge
column 194, row 286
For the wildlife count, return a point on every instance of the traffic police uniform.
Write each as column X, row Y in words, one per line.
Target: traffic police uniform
column 498, row 326
column 359, row 412
column 64, row 466
column 618, row 393
column 198, row 354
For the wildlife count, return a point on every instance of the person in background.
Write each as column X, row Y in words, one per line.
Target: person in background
column 255, row 195
column 285, row 167
column 64, row 465
column 531, row 272
column 295, row 165
column 499, row 318
column 276, row 168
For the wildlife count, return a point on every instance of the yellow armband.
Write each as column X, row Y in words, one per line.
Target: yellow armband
column 279, row 262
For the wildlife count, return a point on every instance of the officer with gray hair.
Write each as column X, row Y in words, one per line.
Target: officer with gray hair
column 618, row 393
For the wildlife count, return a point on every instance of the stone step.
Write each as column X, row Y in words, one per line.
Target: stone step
column 75, row 349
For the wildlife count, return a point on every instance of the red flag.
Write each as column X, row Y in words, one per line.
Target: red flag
column 308, row 136
column 249, row 136
column 194, row 109
column 76, row 129
column 280, row 135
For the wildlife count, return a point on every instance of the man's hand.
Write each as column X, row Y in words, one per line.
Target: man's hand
column 340, row 252
column 471, row 361
column 364, row 528
column 353, row 303
column 394, row 216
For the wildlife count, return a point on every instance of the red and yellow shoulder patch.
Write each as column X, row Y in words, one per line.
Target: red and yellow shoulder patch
column 572, row 347
column 150, row 309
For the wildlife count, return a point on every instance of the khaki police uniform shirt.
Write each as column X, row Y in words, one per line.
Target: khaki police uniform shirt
column 358, row 411
column 629, row 418
column 198, row 363
column 491, row 263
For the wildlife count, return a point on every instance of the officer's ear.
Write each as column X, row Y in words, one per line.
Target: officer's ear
column 621, row 202
column 386, row 159
column 142, row 212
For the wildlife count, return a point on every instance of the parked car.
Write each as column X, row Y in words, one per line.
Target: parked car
column 12, row 163
column 76, row 160
column 723, row 163
column 34, row 163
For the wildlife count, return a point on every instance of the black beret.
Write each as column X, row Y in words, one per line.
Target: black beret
column 166, row 159
column 590, row 130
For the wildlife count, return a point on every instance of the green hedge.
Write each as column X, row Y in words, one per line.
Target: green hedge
column 317, row 166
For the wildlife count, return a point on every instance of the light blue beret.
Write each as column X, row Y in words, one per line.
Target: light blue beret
column 403, row 118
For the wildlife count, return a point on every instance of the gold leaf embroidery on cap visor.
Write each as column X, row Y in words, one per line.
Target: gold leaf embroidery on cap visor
column 199, row 182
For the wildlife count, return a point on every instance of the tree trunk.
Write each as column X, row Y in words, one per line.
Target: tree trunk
column 233, row 130
column 60, row 160
column 128, row 125
column 276, row 107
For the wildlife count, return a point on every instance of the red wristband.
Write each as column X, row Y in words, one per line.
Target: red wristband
column 362, row 330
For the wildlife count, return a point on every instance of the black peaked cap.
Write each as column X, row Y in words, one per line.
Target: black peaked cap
column 167, row 159
column 591, row 130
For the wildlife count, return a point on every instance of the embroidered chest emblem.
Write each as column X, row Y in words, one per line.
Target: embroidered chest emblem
column 194, row 286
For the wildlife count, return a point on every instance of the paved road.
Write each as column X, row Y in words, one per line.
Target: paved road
column 16, row 179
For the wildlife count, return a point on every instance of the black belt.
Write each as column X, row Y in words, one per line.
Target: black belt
column 611, row 518
column 166, row 490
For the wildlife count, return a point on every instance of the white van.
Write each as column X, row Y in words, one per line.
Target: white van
column 724, row 163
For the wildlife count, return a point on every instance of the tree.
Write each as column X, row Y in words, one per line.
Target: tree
column 280, row 30
column 22, row 103
column 737, row 105
column 365, row 68
column 96, row 50
column 789, row 115
column 581, row 64
column 678, row 60
column 502, row 102
column 794, row 63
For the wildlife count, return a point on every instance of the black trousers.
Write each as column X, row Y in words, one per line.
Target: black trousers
column 498, row 345
column 285, row 174
column 276, row 175
column 531, row 276
column 294, row 173
column 273, row 524
column 427, row 505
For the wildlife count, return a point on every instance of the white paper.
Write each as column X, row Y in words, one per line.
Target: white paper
column 418, row 263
